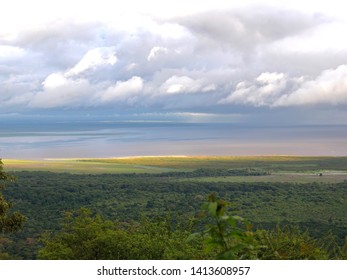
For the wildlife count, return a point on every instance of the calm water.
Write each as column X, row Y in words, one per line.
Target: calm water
column 37, row 140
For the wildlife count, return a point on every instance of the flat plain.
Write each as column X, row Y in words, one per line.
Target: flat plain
column 281, row 168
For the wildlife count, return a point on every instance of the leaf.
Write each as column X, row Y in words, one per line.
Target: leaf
column 212, row 209
column 193, row 236
column 238, row 218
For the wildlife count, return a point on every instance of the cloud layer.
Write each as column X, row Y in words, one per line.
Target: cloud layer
column 208, row 62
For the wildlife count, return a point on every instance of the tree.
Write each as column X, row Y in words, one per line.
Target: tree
column 9, row 222
column 226, row 236
column 84, row 236
column 230, row 237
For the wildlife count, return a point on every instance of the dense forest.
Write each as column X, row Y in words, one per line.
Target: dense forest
column 168, row 216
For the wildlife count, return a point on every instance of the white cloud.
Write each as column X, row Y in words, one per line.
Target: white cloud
column 60, row 91
column 123, row 90
column 210, row 87
column 329, row 88
column 11, row 52
column 131, row 66
column 262, row 92
column 157, row 51
column 93, row 59
column 181, row 84
column 276, row 90
column 54, row 81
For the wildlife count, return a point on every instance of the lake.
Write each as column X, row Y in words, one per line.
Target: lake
column 81, row 139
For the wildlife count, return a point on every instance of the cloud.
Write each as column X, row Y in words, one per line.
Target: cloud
column 11, row 52
column 54, row 81
column 329, row 88
column 245, row 29
column 157, row 51
column 226, row 60
column 123, row 90
column 276, row 90
column 60, row 91
column 181, row 84
column 262, row 92
column 94, row 58
column 184, row 84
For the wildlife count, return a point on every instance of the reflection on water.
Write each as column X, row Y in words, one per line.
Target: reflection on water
column 108, row 139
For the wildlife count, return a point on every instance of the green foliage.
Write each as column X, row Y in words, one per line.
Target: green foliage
column 3, row 254
column 216, row 172
column 289, row 243
column 342, row 251
column 230, row 237
column 84, row 236
column 227, row 236
column 9, row 222
column 318, row 207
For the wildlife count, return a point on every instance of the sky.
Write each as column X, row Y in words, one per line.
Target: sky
column 251, row 62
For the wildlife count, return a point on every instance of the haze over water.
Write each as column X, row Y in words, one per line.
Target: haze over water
column 122, row 139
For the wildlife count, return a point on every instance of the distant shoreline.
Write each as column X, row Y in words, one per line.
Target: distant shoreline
column 169, row 163
column 173, row 156
column 249, row 157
